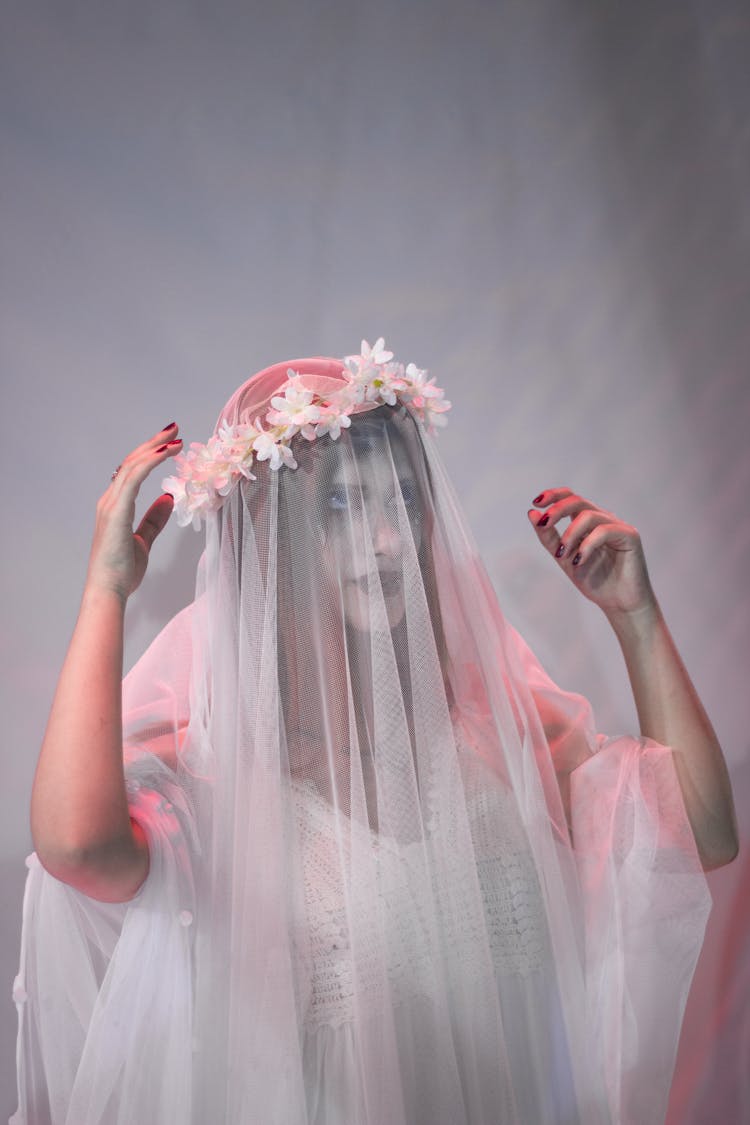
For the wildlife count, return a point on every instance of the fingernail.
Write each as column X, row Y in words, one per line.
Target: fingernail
column 169, row 494
column 544, row 520
column 538, row 499
column 160, row 449
column 171, row 426
column 560, row 551
column 577, row 559
column 176, row 441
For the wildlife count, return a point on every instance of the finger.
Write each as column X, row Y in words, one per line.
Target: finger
column 617, row 536
column 142, row 461
column 155, row 519
column 559, row 544
column 167, row 434
column 568, row 507
column 544, row 499
column 149, row 446
column 578, row 528
column 547, row 534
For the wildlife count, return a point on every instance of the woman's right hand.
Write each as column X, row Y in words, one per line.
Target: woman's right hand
column 119, row 555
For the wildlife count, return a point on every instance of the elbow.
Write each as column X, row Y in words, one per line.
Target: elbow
column 62, row 857
column 715, row 831
column 113, row 872
column 76, row 866
column 715, row 861
column 719, row 853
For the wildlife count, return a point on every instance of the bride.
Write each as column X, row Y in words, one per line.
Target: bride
column 338, row 851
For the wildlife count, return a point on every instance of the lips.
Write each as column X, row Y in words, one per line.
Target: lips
column 391, row 583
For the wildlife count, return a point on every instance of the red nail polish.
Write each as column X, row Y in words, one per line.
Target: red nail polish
column 577, row 559
column 169, row 494
column 544, row 520
column 176, row 441
column 171, row 426
column 160, row 449
column 538, row 499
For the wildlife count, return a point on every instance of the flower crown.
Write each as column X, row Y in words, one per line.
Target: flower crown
column 206, row 474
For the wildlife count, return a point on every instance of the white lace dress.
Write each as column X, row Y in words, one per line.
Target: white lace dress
column 104, row 992
column 514, row 919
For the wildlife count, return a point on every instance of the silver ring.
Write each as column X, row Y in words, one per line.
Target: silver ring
column 114, row 474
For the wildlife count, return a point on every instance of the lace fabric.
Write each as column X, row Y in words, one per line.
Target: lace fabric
column 513, row 920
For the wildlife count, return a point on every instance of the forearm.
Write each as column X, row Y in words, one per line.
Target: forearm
column 79, row 812
column 670, row 712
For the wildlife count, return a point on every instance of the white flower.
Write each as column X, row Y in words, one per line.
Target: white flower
column 264, row 446
column 424, row 398
column 415, row 374
column 284, row 456
column 367, row 367
column 269, row 447
column 175, row 486
column 357, row 376
column 236, row 445
column 434, row 411
column 387, row 384
column 296, row 407
column 376, row 354
column 196, row 503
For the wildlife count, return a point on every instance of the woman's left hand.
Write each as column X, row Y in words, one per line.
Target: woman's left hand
column 601, row 555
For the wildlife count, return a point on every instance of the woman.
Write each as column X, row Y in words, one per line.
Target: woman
column 364, row 862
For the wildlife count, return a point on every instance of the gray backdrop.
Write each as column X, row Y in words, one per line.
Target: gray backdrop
column 544, row 202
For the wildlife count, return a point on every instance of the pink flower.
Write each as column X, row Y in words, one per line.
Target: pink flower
column 333, row 419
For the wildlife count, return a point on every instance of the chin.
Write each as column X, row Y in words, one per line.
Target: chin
column 358, row 617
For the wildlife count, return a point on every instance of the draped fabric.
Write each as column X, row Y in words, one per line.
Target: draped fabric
column 396, row 876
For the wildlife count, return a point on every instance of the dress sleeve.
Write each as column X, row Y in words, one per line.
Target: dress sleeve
column 104, row 990
column 646, row 904
column 644, row 896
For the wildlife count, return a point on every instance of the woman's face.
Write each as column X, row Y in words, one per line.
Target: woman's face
column 372, row 508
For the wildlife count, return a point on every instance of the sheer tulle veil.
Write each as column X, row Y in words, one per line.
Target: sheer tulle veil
column 414, row 885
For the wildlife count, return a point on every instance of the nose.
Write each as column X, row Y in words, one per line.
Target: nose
column 386, row 538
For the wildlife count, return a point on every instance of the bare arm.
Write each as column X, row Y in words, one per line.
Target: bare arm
column 670, row 712
column 80, row 822
column 604, row 558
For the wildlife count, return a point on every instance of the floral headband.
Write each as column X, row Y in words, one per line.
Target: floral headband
column 207, row 474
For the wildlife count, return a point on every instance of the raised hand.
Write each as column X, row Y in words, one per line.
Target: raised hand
column 601, row 554
column 119, row 555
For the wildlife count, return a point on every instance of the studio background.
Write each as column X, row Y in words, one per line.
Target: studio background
column 544, row 202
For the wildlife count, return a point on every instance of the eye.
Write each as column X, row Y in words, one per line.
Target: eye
column 342, row 499
column 409, row 493
column 338, row 500
column 411, row 498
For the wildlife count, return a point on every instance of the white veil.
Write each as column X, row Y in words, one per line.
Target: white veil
column 369, row 787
